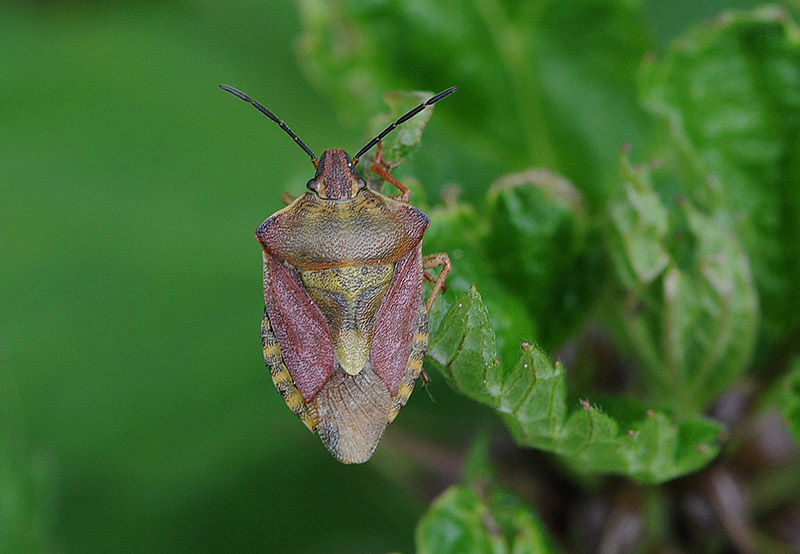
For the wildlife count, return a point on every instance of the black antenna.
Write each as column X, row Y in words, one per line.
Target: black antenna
column 403, row 119
column 239, row 94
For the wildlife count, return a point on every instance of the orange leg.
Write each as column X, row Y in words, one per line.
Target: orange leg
column 287, row 198
column 436, row 260
column 431, row 279
column 383, row 170
column 426, row 380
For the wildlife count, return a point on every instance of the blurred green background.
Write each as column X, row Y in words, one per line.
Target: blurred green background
column 136, row 412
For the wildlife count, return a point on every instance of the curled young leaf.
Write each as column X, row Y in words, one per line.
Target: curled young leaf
column 536, row 245
column 691, row 309
column 730, row 92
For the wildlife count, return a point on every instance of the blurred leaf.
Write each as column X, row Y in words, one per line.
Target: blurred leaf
column 456, row 228
column 461, row 521
column 731, row 94
column 523, row 531
column 531, row 398
column 789, row 399
column 536, row 83
column 536, row 245
column 691, row 310
column 637, row 245
column 526, row 251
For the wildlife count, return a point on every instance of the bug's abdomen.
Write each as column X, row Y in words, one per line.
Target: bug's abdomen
column 350, row 412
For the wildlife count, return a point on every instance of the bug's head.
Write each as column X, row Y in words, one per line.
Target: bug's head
column 336, row 176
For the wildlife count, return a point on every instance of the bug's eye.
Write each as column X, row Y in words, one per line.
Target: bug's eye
column 361, row 184
column 312, row 184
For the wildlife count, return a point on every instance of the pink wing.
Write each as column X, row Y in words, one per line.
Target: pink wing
column 396, row 321
column 299, row 327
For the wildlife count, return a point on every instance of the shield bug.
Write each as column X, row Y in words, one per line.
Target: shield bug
column 345, row 324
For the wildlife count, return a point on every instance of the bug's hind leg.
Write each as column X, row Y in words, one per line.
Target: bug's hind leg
column 436, row 260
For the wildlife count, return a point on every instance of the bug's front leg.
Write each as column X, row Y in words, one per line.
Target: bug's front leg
column 429, row 262
column 382, row 169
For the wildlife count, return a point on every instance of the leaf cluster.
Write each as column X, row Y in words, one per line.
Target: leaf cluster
column 685, row 266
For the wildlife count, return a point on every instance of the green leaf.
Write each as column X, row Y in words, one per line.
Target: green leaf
column 789, row 399
column 731, row 95
column 524, row 532
column 536, row 83
column 690, row 308
column 480, row 516
column 457, row 229
column 528, row 254
column 652, row 448
column 530, row 396
column 399, row 143
column 536, row 244
column 463, row 344
column 460, row 521
column 640, row 222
